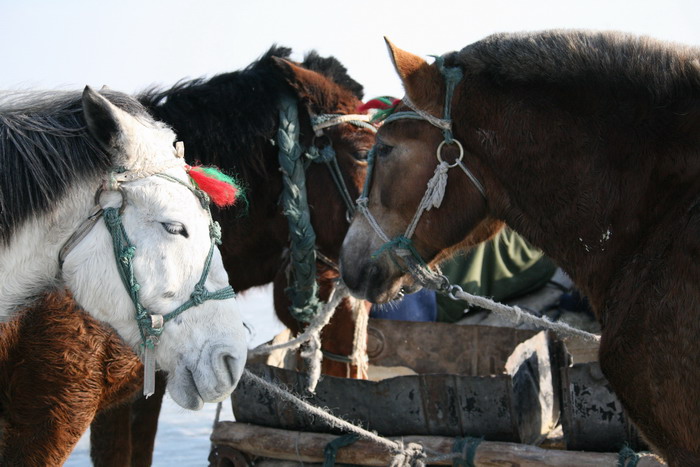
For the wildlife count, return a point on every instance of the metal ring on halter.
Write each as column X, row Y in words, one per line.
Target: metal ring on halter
column 121, row 191
column 461, row 152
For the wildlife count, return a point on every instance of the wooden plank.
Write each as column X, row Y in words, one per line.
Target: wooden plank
column 308, row 447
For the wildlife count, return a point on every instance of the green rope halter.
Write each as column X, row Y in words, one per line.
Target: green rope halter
column 151, row 324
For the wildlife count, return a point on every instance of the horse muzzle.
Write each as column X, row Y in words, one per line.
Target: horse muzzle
column 211, row 378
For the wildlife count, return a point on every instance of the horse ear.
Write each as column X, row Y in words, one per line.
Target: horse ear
column 303, row 81
column 418, row 77
column 102, row 118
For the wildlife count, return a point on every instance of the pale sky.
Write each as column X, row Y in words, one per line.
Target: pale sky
column 132, row 44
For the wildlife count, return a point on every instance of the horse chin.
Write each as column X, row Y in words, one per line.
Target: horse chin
column 212, row 377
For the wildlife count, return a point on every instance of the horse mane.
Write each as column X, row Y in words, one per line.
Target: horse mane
column 45, row 148
column 236, row 112
column 625, row 62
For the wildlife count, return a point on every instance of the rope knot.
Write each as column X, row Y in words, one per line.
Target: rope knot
column 198, row 294
column 326, row 154
column 127, row 254
column 411, row 455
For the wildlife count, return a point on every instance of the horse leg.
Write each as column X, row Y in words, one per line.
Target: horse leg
column 344, row 341
column 144, row 424
column 110, row 437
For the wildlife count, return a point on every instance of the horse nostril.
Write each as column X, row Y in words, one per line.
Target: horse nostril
column 234, row 367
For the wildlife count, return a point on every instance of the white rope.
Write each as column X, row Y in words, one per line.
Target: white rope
column 330, row 121
column 364, row 209
column 314, row 326
column 312, row 336
column 434, row 193
column 441, row 123
column 411, row 455
column 517, row 316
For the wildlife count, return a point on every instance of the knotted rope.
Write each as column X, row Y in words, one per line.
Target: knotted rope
column 303, row 288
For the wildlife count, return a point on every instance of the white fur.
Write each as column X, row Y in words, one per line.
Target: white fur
column 204, row 349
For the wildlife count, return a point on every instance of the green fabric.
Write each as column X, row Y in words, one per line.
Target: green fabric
column 505, row 267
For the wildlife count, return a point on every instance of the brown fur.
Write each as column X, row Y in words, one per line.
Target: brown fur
column 588, row 144
column 58, row 367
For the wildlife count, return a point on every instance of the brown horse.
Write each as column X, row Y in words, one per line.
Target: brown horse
column 231, row 120
column 588, row 144
column 58, row 367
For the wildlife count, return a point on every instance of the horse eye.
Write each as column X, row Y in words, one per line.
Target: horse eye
column 383, row 150
column 175, row 228
column 360, row 155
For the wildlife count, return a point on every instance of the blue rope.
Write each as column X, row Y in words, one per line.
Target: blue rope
column 303, row 289
column 331, row 450
column 466, row 446
column 627, row 457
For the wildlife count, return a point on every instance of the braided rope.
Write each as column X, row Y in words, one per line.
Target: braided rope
column 303, row 289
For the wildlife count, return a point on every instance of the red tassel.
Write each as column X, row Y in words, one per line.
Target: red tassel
column 221, row 193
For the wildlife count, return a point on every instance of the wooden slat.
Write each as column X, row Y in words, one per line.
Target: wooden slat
column 308, row 447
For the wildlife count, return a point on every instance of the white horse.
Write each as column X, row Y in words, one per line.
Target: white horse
column 65, row 159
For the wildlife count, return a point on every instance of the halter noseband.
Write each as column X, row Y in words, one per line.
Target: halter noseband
column 150, row 324
column 435, row 190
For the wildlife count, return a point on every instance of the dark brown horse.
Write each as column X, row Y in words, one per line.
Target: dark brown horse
column 58, row 367
column 588, row 144
column 231, row 121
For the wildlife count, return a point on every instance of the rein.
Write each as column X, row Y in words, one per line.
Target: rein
column 293, row 161
column 150, row 324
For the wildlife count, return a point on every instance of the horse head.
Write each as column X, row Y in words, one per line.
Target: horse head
column 158, row 224
column 323, row 90
column 405, row 157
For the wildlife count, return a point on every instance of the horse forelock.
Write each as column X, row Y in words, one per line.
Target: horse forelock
column 331, row 68
column 45, row 148
column 571, row 57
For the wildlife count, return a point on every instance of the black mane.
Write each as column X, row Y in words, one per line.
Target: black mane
column 236, row 113
column 631, row 64
column 45, row 148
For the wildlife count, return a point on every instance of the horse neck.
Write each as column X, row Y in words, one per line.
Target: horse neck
column 29, row 261
column 582, row 189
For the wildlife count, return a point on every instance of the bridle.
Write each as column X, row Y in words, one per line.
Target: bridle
column 150, row 324
column 402, row 245
column 293, row 161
